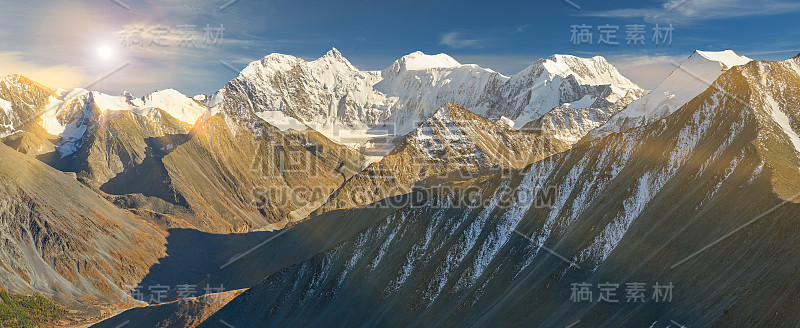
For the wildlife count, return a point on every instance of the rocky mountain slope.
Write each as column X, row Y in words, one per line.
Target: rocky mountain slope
column 701, row 201
column 21, row 101
column 453, row 144
column 66, row 242
column 473, row 222
column 126, row 146
column 185, row 165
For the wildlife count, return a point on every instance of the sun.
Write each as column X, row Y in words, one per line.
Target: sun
column 105, row 52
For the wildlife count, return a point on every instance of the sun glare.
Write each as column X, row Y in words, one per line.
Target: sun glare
column 105, row 52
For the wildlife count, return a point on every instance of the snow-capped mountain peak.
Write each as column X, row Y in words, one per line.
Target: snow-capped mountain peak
column 591, row 71
column 420, row 61
column 175, row 103
column 273, row 61
column 332, row 96
column 14, row 79
column 564, row 80
column 334, row 54
column 335, row 58
column 78, row 112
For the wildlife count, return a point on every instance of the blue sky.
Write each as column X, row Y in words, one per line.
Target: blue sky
column 58, row 42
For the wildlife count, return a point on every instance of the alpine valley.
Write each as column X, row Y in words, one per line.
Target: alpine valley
column 429, row 194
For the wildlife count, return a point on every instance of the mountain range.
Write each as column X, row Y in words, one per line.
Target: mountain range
column 298, row 184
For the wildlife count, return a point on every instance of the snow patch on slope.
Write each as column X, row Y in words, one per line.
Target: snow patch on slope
column 50, row 121
column 783, row 121
column 5, row 105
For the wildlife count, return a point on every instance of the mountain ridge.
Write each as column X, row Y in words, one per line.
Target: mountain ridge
column 625, row 210
column 397, row 99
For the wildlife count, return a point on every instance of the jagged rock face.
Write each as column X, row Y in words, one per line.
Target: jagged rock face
column 22, row 101
column 453, row 144
column 772, row 90
column 223, row 176
column 320, row 91
column 630, row 207
column 560, row 80
column 66, row 242
column 329, row 93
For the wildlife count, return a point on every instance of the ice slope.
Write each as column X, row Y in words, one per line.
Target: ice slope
column 688, row 80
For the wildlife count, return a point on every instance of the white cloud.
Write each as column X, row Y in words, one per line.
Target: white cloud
column 686, row 11
column 458, row 40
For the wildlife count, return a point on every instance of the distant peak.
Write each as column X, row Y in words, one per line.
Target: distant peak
column 168, row 91
column 418, row 60
column 20, row 80
column 16, row 78
column 165, row 94
column 334, row 53
column 62, row 92
column 334, row 56
column 727, row 58
column 565, row 65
